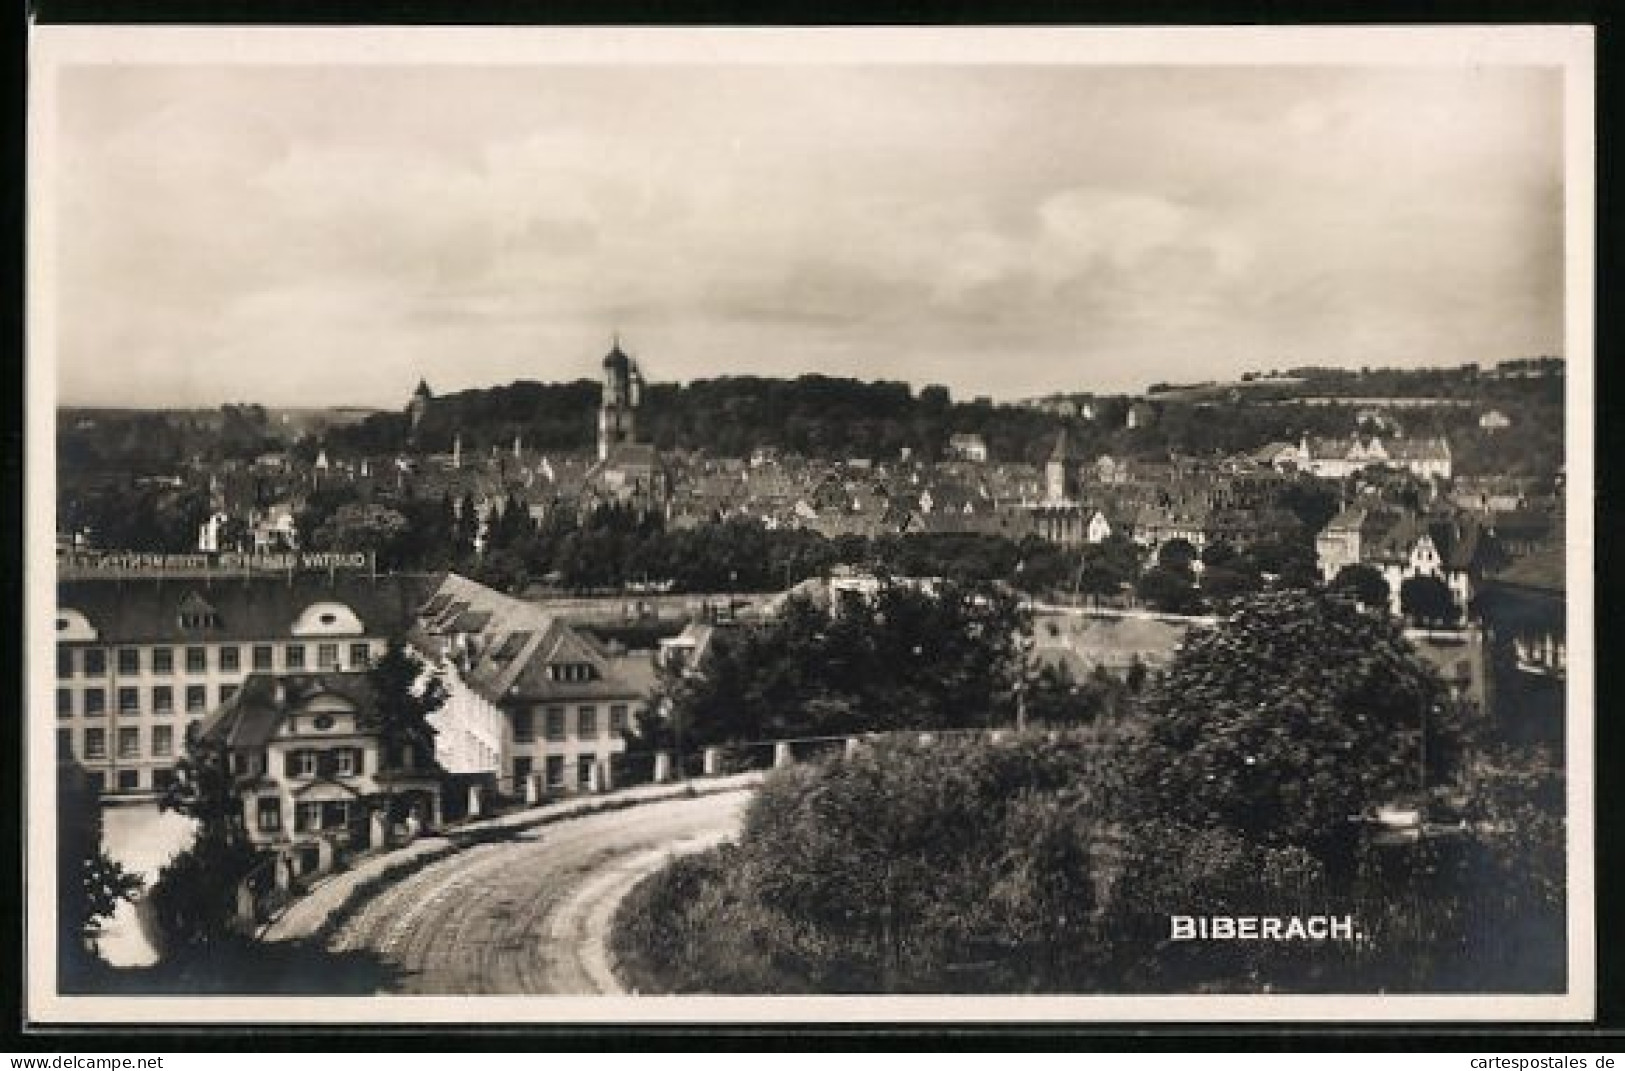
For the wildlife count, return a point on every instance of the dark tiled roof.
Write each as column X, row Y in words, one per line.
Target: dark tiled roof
column 471, row 621
column 507, row 654
column 1544, row 570
column 250, row 718
column 148, row 609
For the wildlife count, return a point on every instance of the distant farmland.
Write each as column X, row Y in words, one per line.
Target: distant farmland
column 289, row 423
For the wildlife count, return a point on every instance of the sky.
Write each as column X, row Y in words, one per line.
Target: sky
column 325, row 235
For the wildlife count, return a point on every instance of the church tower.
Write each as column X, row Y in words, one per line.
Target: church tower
column 623, row 388
column 419, row 403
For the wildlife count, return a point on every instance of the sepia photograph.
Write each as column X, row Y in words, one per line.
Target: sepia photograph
column 625, row 525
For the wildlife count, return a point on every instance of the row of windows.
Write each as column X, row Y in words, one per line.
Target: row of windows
column 92, row 661
column 161, row 701
column 131, row 780
column 128, row 742
column 524, row 766
column 307, row 816
column 524, row 723
column 334, row 762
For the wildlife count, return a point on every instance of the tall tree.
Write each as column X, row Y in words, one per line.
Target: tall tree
column 1289, row 718
column 90, row 883
column 195, row 897
column 1428, row 601
column 1365, row 583
column 405, row 694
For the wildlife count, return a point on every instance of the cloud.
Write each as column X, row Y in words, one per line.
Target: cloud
column 225, row 228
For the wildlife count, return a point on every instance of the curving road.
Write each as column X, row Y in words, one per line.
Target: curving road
column 532, row 914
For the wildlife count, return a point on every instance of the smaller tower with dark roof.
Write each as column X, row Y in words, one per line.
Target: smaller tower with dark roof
column 419, row 404
column 1061, row 470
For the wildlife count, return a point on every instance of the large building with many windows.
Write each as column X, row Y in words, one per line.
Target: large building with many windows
column 560, row 699
column 139, row 659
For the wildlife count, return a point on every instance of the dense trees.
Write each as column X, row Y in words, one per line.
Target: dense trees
column 822, row 416
column 135, row 515
column 1286, row 720
column 1365, row 583
column 1169, row 590
column 948, row 868
column 363, row 527
column 1245, row 785
column 902, row 658
column 1427, row 600
column 614, row 547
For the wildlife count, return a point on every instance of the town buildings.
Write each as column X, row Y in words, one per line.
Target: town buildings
column 1336, row 459
column 1400, row 544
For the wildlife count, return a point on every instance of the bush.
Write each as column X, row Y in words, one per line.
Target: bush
column 194, row 901
column 950, row 867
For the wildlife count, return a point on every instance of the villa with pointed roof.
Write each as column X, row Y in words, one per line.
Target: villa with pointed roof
column 314, row 776
column 1401, row 544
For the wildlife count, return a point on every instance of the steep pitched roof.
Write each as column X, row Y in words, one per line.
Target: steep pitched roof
column 510, row 643
column 251, row 718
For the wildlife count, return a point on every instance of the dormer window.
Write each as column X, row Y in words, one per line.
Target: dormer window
column 196, row 613
column 571, row 672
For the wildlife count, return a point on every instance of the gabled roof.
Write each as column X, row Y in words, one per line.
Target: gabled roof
column 631, row 456
column 1419, row 450
column 251, row 718
column 1543, row 571
column 511, row 642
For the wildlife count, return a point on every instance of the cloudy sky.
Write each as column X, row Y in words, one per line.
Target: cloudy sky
column 327, row 235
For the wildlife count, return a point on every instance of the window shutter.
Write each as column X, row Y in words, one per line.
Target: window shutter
column 360, row 760
column 326, row 766
column 290, row 761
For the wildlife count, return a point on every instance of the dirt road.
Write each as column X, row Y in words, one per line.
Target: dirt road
column 531, row 915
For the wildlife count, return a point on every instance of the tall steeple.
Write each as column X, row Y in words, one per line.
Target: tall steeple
column 419, row 403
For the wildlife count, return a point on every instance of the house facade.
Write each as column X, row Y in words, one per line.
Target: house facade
column 315, row 777
column 543, row 704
